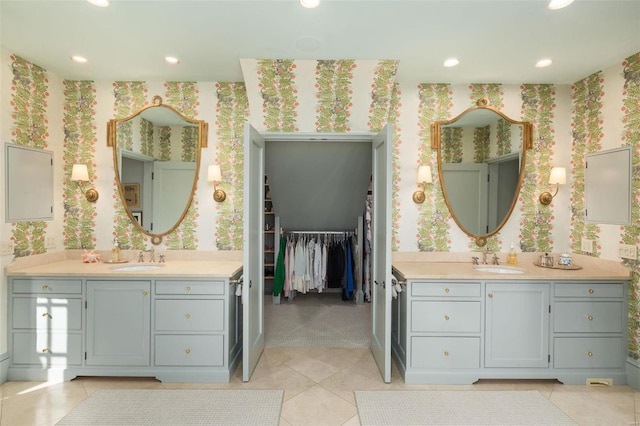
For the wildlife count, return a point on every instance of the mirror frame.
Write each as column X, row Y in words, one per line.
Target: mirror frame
column 203, row 130
column 527, row 143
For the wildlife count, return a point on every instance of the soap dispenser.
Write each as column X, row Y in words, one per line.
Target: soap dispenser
column 512, row 257
column 115, row 252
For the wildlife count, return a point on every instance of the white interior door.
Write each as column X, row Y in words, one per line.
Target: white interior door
column 381, row 252
column 253, row 242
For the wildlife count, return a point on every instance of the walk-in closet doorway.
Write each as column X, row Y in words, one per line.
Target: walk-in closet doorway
column 318, row 182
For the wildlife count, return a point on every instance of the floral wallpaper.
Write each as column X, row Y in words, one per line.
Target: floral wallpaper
column 333, row 84
column 232, row 111
column 29, row 128
column 631, row 234
column 80, row 140
column 538, row 103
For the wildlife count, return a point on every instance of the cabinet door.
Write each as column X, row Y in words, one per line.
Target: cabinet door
column 517, row 325
column 118, row 322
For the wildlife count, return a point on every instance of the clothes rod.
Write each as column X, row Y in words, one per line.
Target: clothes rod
column 319, row 232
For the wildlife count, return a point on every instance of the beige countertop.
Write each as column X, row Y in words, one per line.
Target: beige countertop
column 414, row 266
column 69, row 264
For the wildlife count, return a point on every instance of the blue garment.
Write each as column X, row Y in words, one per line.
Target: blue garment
column 349, row 289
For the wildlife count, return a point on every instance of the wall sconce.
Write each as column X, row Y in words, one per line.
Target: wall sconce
column 215, row 175
column 424, row 177
column 557, row 177
column 80, row 174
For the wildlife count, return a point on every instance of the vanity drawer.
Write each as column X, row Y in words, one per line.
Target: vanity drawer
column 589, row 290
column 588, row 352
column 449, row 289
column 190, row 287
column 588, row 317
column 46, row 349
column 189, row 350
column 445, row 317
column 189, row 315
column 445, row 352
column 47, row 313
column 47, row 285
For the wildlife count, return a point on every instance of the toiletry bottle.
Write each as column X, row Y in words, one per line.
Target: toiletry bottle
column 512, row 257
column 115, row 251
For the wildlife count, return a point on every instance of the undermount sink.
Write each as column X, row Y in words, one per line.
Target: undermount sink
column 133, row 268
column 499, row 269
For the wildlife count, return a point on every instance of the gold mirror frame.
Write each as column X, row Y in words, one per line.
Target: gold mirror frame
column 527, row 143
column 203, row 127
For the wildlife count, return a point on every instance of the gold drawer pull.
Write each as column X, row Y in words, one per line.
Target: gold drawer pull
column 590, row 318
column 446, row 353
column 188, row 288
column 47, row 314
column 45, row 350
column 446, row 317
column 188, row 316
column 589, row 353
column 188, row 351
column 590, row 291
column 45, row 287
column 446, row 290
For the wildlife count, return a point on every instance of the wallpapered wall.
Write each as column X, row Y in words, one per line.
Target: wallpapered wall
column 69, row 117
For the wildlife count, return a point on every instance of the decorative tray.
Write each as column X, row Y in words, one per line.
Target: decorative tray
column 558, row 266
column 113, row 263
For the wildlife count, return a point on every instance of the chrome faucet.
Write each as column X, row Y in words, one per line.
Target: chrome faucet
column 496, row 260
column 485, row 252
column 151, row 259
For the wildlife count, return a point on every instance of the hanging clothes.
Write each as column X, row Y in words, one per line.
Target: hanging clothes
column 278, row 279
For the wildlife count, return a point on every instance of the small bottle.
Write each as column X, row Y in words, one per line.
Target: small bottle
column 512, row 257
column 565, row 259
column 115, row 251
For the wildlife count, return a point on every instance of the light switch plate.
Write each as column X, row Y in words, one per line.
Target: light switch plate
column 50, row 242
column 628, row 251
column 6, row 247
column 586, row 245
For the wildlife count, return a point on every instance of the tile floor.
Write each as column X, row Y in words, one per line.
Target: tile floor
column 319, row 385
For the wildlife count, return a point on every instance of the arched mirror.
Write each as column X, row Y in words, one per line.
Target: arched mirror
column 481, row 161
column 156, row 158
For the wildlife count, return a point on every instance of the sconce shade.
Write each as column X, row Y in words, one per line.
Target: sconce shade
column 558, row 176
column 79, row 172
column 213, row 173
column 424, row 174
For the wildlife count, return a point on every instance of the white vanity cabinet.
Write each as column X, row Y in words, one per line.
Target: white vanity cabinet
column 174, row 329
column 459, row 331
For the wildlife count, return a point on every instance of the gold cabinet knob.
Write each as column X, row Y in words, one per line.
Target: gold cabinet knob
column 45, row 350
column 446, row 317
column 188, row 316
column 188, row 288
column 590, row 318
column 145, row 293
column 590, row 291
column 446, row 353
column 45, row 287
column 490, row 296
column 589, row 353
column 446, row 290
column 187, row 351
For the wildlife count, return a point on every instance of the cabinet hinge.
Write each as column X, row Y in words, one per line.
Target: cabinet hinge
column 548, row 358
column 85, row 304
column 549, row 308
column 85, row 356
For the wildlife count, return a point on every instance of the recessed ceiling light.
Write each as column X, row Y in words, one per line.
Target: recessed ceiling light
column 99, row 3
column 451, row 62
column 171, row 60
column 79, row 59
column 559, row 4
column 310, row 4
column 543, row 63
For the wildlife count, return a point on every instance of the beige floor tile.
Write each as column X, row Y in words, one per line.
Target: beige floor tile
column 317, row 406
column 353, row 421
column 281, row 377
column 596, row 405
column 345, row 382
column 314, row 368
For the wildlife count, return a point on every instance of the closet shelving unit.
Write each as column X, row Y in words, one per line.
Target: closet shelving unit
column 271, row 242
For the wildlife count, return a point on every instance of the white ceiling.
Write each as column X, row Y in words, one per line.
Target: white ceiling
column 496, row 41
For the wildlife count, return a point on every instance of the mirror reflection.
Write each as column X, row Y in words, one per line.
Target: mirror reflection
column 481, row 158
column 156, row 160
